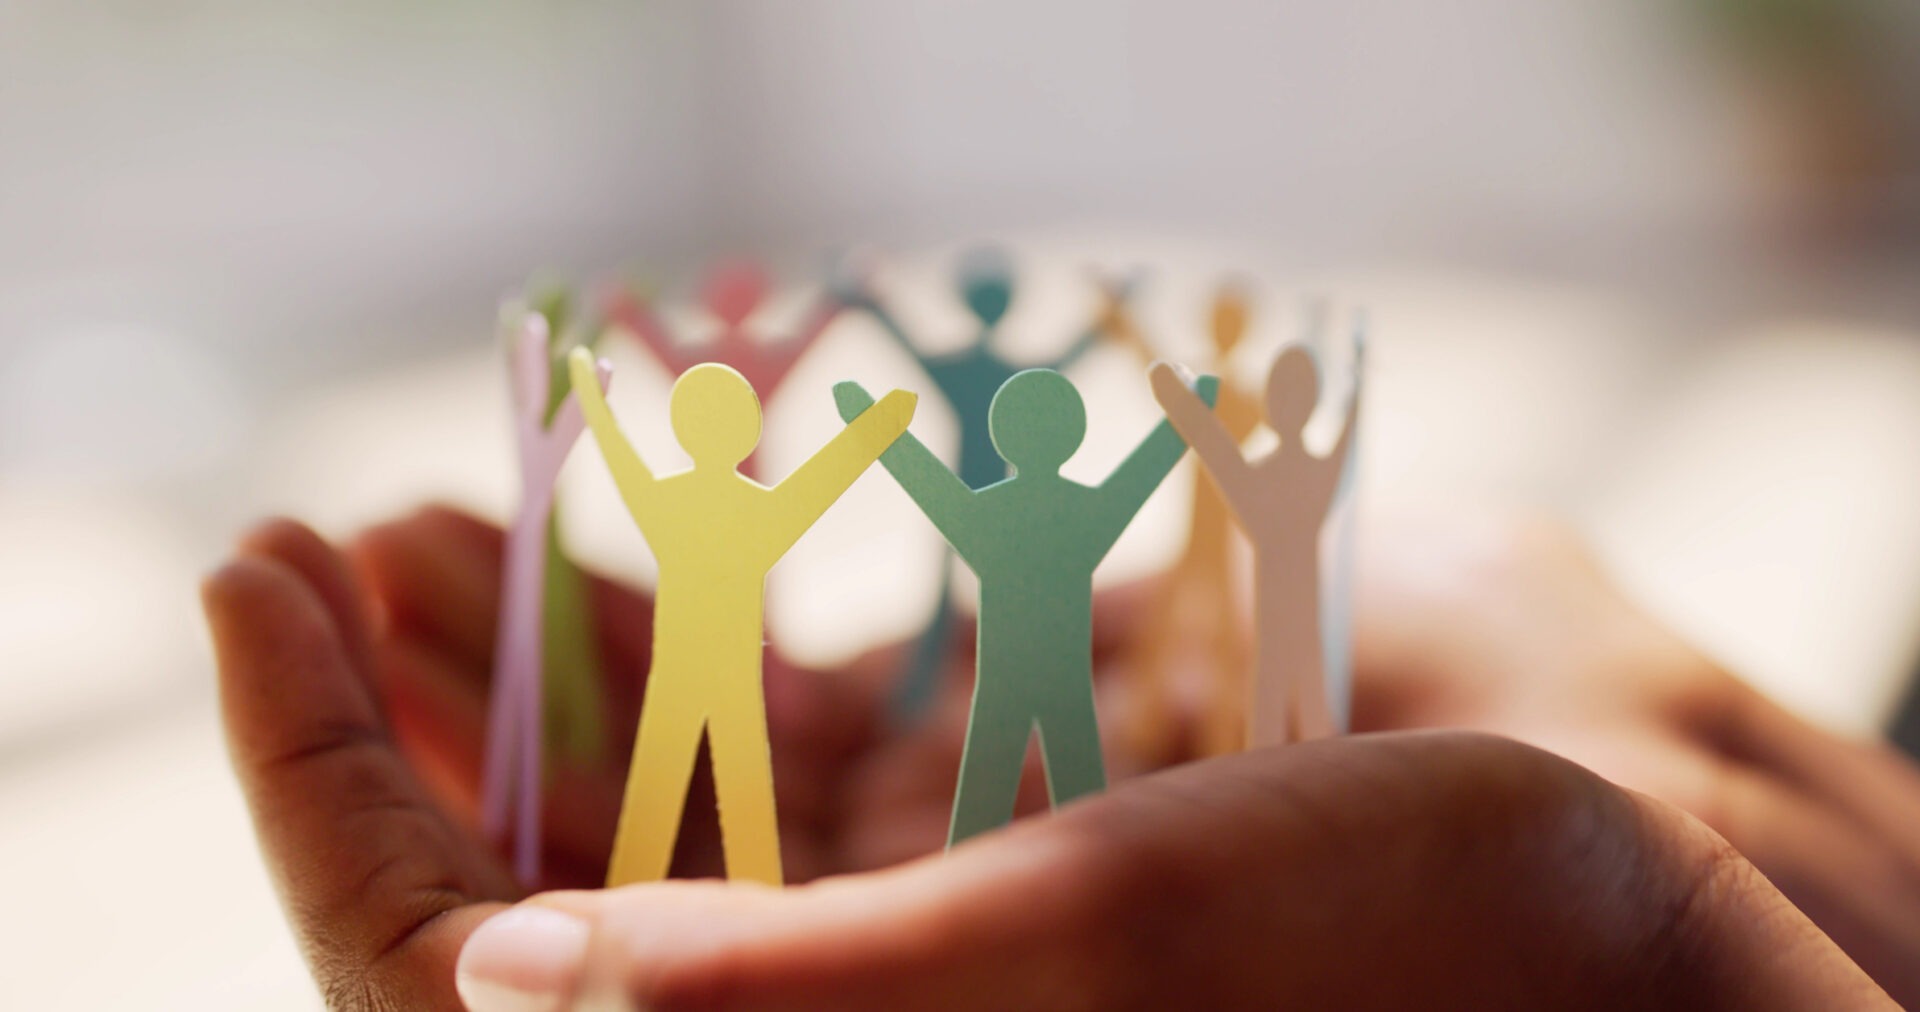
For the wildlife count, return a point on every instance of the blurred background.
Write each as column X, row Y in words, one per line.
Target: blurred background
column 1653, row 265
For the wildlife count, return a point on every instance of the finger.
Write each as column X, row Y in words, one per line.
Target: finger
column 325, row 572
column 1856, row 885
column 373, row 877
column 437, row 575
column 1243, row 882
column 1872, row 786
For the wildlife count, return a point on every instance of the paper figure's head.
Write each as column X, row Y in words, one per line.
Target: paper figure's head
column 1037, row 421
column 986, row 282
column 1293, row 390
column 716, row 415
column 1229, row 318
column 733, row 290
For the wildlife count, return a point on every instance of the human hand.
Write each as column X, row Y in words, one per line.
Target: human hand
column 355, row 711
column 1507, row 625
column 1419, row 870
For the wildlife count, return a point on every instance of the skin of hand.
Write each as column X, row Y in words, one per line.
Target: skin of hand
column 1482, row 872
column 1505, row 623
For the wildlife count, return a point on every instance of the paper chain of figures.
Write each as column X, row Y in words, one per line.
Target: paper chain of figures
column 1031, row 536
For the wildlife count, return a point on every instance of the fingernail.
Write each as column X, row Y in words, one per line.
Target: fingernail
column 526, row 959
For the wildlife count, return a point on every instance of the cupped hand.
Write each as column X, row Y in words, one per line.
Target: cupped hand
column 354, row 696
column 1505, row 623
column 1383, row 870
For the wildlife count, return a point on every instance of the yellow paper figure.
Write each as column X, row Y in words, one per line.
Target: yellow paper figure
column 1195, row 603
column 715, row 534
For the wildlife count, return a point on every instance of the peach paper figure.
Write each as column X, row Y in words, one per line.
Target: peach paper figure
column 516, row 711
column 715, row 534
column 1033, row 540
column 733, row 291
column 969, row 379
column 1195, row 603
column 1281, row 501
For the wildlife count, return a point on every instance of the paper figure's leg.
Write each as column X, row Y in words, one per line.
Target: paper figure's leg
column 503, row 747
column 1311, row 717
column 663, row 756
column 743, row 782
column 528, row 819
column 1269, row 701
column 997, row 733
column 1226, row 730
column 1070, row 747
column 572, row 658
column 516, row 661
column 920, row 682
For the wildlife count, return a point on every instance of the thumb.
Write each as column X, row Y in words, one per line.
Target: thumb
column 1487, row 873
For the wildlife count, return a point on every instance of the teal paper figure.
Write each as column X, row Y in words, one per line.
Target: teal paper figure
column 969, row 380
column 1034, row 540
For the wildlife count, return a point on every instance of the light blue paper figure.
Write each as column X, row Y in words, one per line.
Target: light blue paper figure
column 1034, row 540
column 1336, row 611
column 968, row 379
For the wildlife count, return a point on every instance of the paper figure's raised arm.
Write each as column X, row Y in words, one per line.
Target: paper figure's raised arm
column 1345, row 444
column 1127, row 488
column 856, row 295
column 814, row 485
column 1201, row 428
column 568, row 421
column 636, row 314
column 1117, row 323
column 940, row 494
column 630, row 473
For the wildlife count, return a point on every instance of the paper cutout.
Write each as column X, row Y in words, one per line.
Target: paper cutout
column 715, row 534
column 570, row 669
column 1034, row 540
column 1281, row 501
column 733, row 292
column 511, row 776
column 1198, row 590
column 968, row 379
column 1336, row 622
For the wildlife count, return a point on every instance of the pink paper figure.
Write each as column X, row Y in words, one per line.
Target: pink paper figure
column 733, row 291
column 510, row 783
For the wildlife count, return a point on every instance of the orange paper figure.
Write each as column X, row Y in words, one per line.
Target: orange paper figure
column 1281, row 501
column 733, row 292
column 1197, row 594
column 715, row 534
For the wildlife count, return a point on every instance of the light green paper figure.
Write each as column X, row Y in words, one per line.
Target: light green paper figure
column 1034, row 540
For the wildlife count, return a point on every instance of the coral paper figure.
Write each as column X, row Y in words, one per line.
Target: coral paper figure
column 969, row 379
column 1281, row 501
column 1197, row 594
column 1033, row 540
column 715, row 534
column 511, row 786
column 732, row 293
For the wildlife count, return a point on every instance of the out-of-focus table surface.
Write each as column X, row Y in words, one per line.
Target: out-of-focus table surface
column 1756, row 489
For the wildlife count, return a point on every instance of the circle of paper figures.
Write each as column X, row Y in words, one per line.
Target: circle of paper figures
column 1032, row 537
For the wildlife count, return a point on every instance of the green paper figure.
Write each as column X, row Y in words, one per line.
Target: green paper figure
column 570, row 657
column 1034, row 540
column 969, row 379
